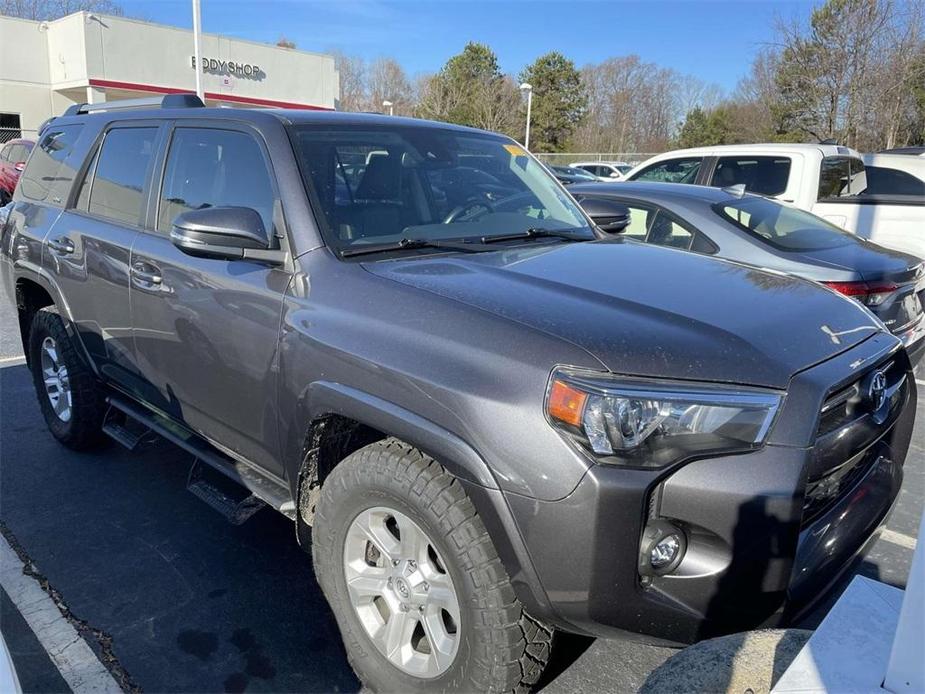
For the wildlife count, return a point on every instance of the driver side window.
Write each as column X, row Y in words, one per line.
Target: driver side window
column 682, row 170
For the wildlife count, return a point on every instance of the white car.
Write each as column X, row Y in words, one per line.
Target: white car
column 827, row 180
column 604, row 170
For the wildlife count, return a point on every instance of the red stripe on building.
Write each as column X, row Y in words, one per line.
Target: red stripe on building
column 234, row 98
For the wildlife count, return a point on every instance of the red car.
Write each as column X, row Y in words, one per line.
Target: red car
column 12, row 161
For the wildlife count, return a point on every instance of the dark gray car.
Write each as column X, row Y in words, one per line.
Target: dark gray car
column 487, row 419
column 765, row 233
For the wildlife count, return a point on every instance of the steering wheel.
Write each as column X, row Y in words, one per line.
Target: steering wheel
column 470, row 204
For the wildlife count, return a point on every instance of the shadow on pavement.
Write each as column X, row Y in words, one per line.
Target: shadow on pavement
column 192, row 603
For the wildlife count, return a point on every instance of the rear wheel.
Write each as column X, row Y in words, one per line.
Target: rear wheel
column 69, row 395
column 422, row 600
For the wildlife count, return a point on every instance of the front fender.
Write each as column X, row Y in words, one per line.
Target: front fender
column 323, row 398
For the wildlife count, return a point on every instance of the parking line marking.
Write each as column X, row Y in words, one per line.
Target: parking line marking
column 13, row 361
column 75, row 660
column 895, row 538
column 920, row 382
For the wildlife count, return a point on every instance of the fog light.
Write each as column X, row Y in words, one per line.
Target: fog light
column 665, row 551
column 662, row 548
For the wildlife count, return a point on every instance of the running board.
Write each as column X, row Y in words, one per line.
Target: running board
column 221, row 493
column 273, row 493
column 124, row 430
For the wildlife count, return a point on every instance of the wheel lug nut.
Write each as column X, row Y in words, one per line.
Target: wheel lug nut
column 420, row 608
column 426, row 587
column 403, row 607
column 395, row 562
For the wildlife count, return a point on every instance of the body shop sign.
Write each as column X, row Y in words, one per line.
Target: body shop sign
column 227, row 67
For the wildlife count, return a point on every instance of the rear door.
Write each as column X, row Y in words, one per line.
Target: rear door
column 88, row 248
column 205, row 330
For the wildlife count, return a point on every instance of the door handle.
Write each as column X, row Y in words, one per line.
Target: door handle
column 62, row 245
column 141, row 273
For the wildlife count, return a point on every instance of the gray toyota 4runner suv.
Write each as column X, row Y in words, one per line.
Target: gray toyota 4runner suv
column 487, row 419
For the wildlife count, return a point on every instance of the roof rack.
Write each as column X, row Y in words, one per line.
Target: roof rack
column 166, row 101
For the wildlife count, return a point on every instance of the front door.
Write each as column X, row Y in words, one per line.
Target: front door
column 206, row 331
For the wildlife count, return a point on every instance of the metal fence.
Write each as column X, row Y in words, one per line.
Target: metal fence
column 564, row 159
column 7, row 134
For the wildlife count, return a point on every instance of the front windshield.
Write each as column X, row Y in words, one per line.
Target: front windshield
column 785, row 228
column 381, row 184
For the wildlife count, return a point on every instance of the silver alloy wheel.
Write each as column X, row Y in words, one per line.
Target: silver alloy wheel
column 401, row 592
column 57, row 384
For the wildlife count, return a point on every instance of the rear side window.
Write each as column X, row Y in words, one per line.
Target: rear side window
column 841, row 177
column 762, row 175
column 117, row 191
column 682, row 170
column 783, row 227
column 884, row 181
column 215, row 168
column 48, row 166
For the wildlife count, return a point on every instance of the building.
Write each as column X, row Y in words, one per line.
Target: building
column 88, row 58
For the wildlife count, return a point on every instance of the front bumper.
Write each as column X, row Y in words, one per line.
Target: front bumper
column 758, row 552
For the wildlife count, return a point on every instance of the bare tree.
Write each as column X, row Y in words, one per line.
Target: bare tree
column 46, row 10
column 847, row 73
column 352, row 76
column 632, row 106
column 386, row 80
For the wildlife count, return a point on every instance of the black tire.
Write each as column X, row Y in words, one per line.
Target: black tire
column 83, row 428
column 501, row 648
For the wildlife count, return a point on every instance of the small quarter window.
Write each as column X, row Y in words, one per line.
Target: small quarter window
column 47, row 167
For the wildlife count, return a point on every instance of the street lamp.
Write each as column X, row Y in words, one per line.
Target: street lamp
column 528, row 90
column 388, row 104
column 197, row 49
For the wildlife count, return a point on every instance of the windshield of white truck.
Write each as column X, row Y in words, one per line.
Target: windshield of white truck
column 389, row 184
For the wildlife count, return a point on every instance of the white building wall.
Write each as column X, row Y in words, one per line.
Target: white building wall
column 44, row 67
column 24, row 71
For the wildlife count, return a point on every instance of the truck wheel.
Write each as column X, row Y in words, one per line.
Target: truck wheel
column 422, row 600
column 70, row 398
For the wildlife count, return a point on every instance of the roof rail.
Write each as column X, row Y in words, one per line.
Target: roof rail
column 166, row 101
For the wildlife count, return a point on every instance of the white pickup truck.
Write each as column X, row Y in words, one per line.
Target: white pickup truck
column 884, row 202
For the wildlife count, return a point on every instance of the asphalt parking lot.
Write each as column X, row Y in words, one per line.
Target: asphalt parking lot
column 172, row 598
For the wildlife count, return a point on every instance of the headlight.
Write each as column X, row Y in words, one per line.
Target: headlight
column 653, row 424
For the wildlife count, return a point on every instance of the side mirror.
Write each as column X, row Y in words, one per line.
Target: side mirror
column 225, row 233
column 609, row 215
column 616, row 174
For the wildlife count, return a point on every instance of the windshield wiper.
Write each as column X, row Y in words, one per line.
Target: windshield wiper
column 413, row 244
column 537, row 233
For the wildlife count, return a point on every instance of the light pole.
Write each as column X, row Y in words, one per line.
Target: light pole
column 528, row 90
column 197, row 52
column 388, row 104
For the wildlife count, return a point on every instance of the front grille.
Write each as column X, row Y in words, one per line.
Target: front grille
column 850, row 424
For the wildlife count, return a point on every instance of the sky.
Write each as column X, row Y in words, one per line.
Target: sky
column 714, row 40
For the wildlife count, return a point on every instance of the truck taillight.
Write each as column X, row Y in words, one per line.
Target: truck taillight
column 864, row 292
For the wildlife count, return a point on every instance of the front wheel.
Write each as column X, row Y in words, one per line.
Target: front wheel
column 71, row 399
column 422, row 600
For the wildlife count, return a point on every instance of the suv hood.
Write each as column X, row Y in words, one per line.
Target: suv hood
column 649, row 311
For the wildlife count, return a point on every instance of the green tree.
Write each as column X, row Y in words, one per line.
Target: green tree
column 559, row 101
column 705, row 128
column 471, row 90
